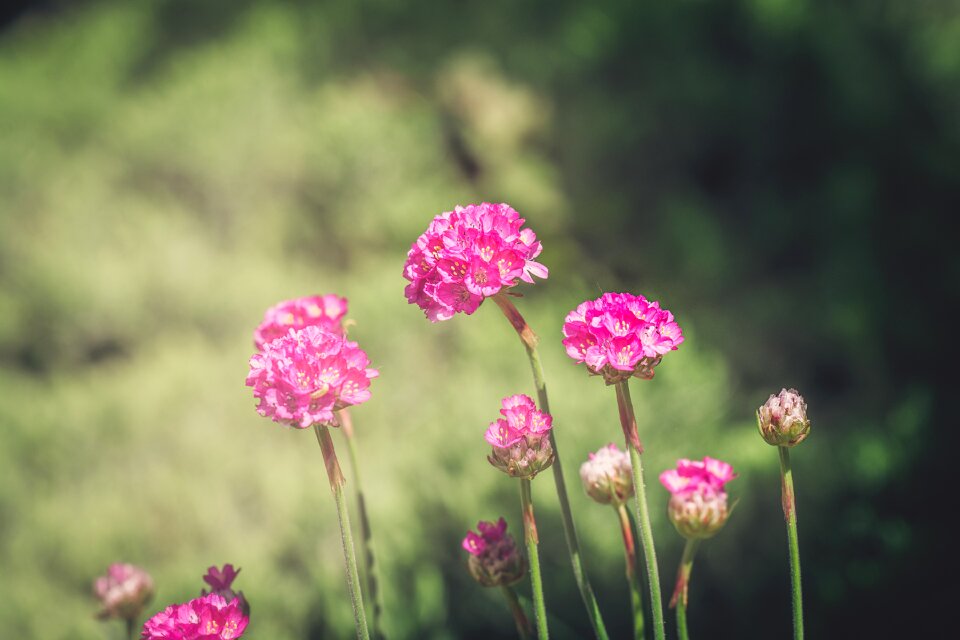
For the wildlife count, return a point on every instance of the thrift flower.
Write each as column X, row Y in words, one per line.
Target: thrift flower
column 521, row 446
column 325, row 311
column 301, row 378
column 782, row 420
column 469, row 254
column 220, row 581
column 494, row 558
column 698, row 502
column 206, row 618
column 607, row 476
column 124, row 591
column 620, row 335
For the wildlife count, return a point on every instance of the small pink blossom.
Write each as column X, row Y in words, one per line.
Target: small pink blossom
column 519, row 439
column 326, row 311
column 620, row 335
column 494, row 558
column 301, row 378
column 467, row 255
column 607, row 476
column 124, row 591
column 209, row 617
column 782, row 420
column 221, row 581
column 698, row 502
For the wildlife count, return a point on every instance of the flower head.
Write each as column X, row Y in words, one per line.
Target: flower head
column 494, row 558
column 324, row 311
column 221, row 581
column 301, row 378
column 520, row 439
column 698, row 502
column 469, row 254
column 209, row 617
column 123, row 591
column 782, row 420
column 620, row 335
column 607, row 476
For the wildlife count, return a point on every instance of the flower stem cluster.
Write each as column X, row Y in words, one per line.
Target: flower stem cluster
column 495, row 560
column 467, row 255
column 520, row 439
column 620, row 335
column 698, row 502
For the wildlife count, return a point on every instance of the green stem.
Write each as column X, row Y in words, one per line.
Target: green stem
column 519, row 617
column 530, row 340
column 346, row 536
column 683, row 585
column 630, row 556
column 372, row 572
column 530, row 537
column 629, row 423
column 789, row 501
column 131, row 628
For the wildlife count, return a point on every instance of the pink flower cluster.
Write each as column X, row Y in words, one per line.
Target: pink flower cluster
column 303, row 377
column 209, row 617
column 607, row 476
column 326, row 311
column 698, row 502
column 469, row 254
column 221, row 583
column 124, row 591
column 521, row 447
column 620, row 335
column 494, row 557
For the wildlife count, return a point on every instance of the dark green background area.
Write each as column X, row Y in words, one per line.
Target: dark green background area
column 781, row 175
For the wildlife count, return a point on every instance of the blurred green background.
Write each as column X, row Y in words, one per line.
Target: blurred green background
column 779, row 174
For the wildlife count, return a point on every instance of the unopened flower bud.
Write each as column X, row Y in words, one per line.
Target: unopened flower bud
column 698, row 504
column 607, row 476
column 782, row 420
column 494, row 560
column 124, row 591
column 521, row 439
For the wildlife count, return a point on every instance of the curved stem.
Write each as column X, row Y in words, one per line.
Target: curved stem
column 372, row 572
column 790, row 515
column 346, row 536
column 530, row 537
column 630, row 557
column 530, row 341
column 629, row 423
column 519, row 617
column 683, row 584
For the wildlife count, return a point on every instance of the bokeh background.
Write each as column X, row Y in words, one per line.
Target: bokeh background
column 780, row 174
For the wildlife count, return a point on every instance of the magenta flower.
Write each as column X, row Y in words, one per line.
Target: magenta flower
column 521, row 446
column 469, row 254
column 303, row 377
column 607, row 476
column 124, row 591
column 620, row 335
column 221, row 581
column 494, row 558
column 324, row 311
column 206, row 618
column 698, row 502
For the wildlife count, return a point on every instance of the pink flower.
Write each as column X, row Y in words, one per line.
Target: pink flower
column 607, row 476
column 301, row 378
column 620, row 335
column 206, row 618
column 521, row 446
column 124, row 591
column 469, row 254
column 325, row 311
column 698, row 502
column 494, row 558
column 220, row 581
column 782, row 420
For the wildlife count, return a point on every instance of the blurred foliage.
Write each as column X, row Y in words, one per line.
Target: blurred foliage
column 777, row 173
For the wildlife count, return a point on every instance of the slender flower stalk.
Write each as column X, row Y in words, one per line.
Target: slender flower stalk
column 372, row 573
column 530, row 341
column 532, row 540
column 790, row 515
column 683, row 581
column 519, row 617
column 335, row 475
column 633, row 579
column 628, row 421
